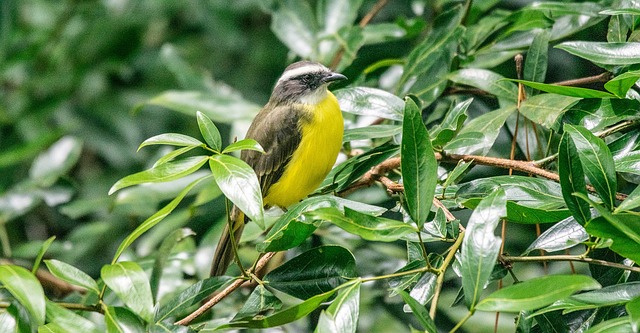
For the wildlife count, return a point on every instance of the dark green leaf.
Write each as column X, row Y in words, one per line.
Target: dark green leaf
column 480, row 247
column 155, row 218
column 527, row 191
column 74, row 276
column 259, row 302
column 239, row 183
column 631, row 202
column 604, row 53
column 419, row 165
column 535, row 64
column 621, row 84
column 244, row 144
column 451, row 124
column 633, row 309
column 617, row 30
column 121, row 320
column 162, row 173
column 41, row 252
column 617, row 325
column 55, row 161
column 171, row 139
column 479, row 134
column 370, row 102
column 544, row 109
column 26, row 289
column 69, row 320
column 621, row 243
column 371, row 132
column 597, row 162
column 562, row 235
column 342, row 315
column 572, row 179
column 420, row 311
column 488, row 81
column 596, row 114
column 629, row 163
column 131, row 284
column 610, row 295
column 566, row 90
column 190, row 296
column 209, row 131
column 536, row 293
column 314, row 272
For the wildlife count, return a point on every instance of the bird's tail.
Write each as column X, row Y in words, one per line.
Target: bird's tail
column 224, row 252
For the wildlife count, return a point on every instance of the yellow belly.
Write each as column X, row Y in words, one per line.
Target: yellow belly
column 314, row 157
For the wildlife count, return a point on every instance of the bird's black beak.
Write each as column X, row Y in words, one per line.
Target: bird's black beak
column 333, row 77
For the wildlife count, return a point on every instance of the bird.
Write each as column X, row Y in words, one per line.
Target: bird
column 300, row 130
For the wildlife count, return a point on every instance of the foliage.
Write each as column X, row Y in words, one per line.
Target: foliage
column 449, row 134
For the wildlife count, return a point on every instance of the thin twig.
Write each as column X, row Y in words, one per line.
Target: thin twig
column 602, row 77
column 225, row 292
column 510, row 259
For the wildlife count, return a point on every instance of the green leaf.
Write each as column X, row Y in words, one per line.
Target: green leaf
column 74, row 276
column 239, row 183
column 604, row 53
column 172, row 155
column 294, row 24
column 342, row 315
column 367, row 101
column 527, row 191
column 480, row 247
column 572, row 179
column 195, row 294
column 566, row 90
column 629, row 224
column 69, row 320
column 55, row 161
column 162, row 256
column 629, row 163
column 372, row 228
column 443, row 132
column 621, row 11
column 617, row 31
column 313, row 272
column 285, row 316
column 162, row 173
column 131, row 284
column 155, row 218
column 621, row 84
column 621, row 243
column 244, row 144
column 597, row 162
column 479, row 134
column 420, row 311
column 544, row 109
column 371, row 132
column 41, row 252
column 633, row 309
column 171, row 139
column 209, row 131
column 631, row 202
column 536, row 293
column 562, row 235
column 259, row 302
column 52, row 328
column 617, row 325
column 535, row 64
column 26, row 289
column 596, row 114
column 419, row 165
column 121, row 320
column 488, row 81
column 609, row 295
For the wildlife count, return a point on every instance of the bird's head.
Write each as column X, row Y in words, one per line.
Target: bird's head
column 304, row 82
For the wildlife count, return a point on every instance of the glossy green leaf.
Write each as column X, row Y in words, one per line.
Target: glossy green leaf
column 419, row 311
column 572, row 179
column 479, row 134
column 259, row 302
column 566, row 90
column 69, row 320
column 536, row 293
column 488, row 81
column 26, row 289
column 294, row 24
column 155, row 218
column 244, row 144
column 604, row 53
column 419, row 165
column 451, row 124
column 162, row 173
column 367, row 101
column 239, row 183
column 285, row 316
column 41, row 252
column 596, row 114
column 597, row 162
column 617, row 31
column 70, row 274
column 371, row 132
column 621, row 84
column 629, row 163
column 562, row 235
column 162, row 256
column 217, row 104
column 368, row 227
column 610, row 295
column 527, row 191
column 544, row 109
column 342, row 315
column 171, row 139
column 195, row 294
column 131, row 284
column 617, row 325
column 633, row 309
column 313, row 272
column 628, row 223
column 621, row 11
column 621, row 243
column 121, row 320
column 631, row 202
column 52, row 328
column 209, row 131
column 480, row 247
column 55, row 161
column 172, row 155
column 535, row 63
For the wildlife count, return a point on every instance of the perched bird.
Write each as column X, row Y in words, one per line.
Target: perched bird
column 300, row 130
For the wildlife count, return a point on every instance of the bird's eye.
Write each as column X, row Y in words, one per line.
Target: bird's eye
column 306, row 78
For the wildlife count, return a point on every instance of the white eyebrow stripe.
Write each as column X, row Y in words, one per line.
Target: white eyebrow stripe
column 310, row 68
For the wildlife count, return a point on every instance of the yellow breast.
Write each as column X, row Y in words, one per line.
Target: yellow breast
column 314, row 157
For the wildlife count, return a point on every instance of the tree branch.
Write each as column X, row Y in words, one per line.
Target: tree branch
column 510, row 259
